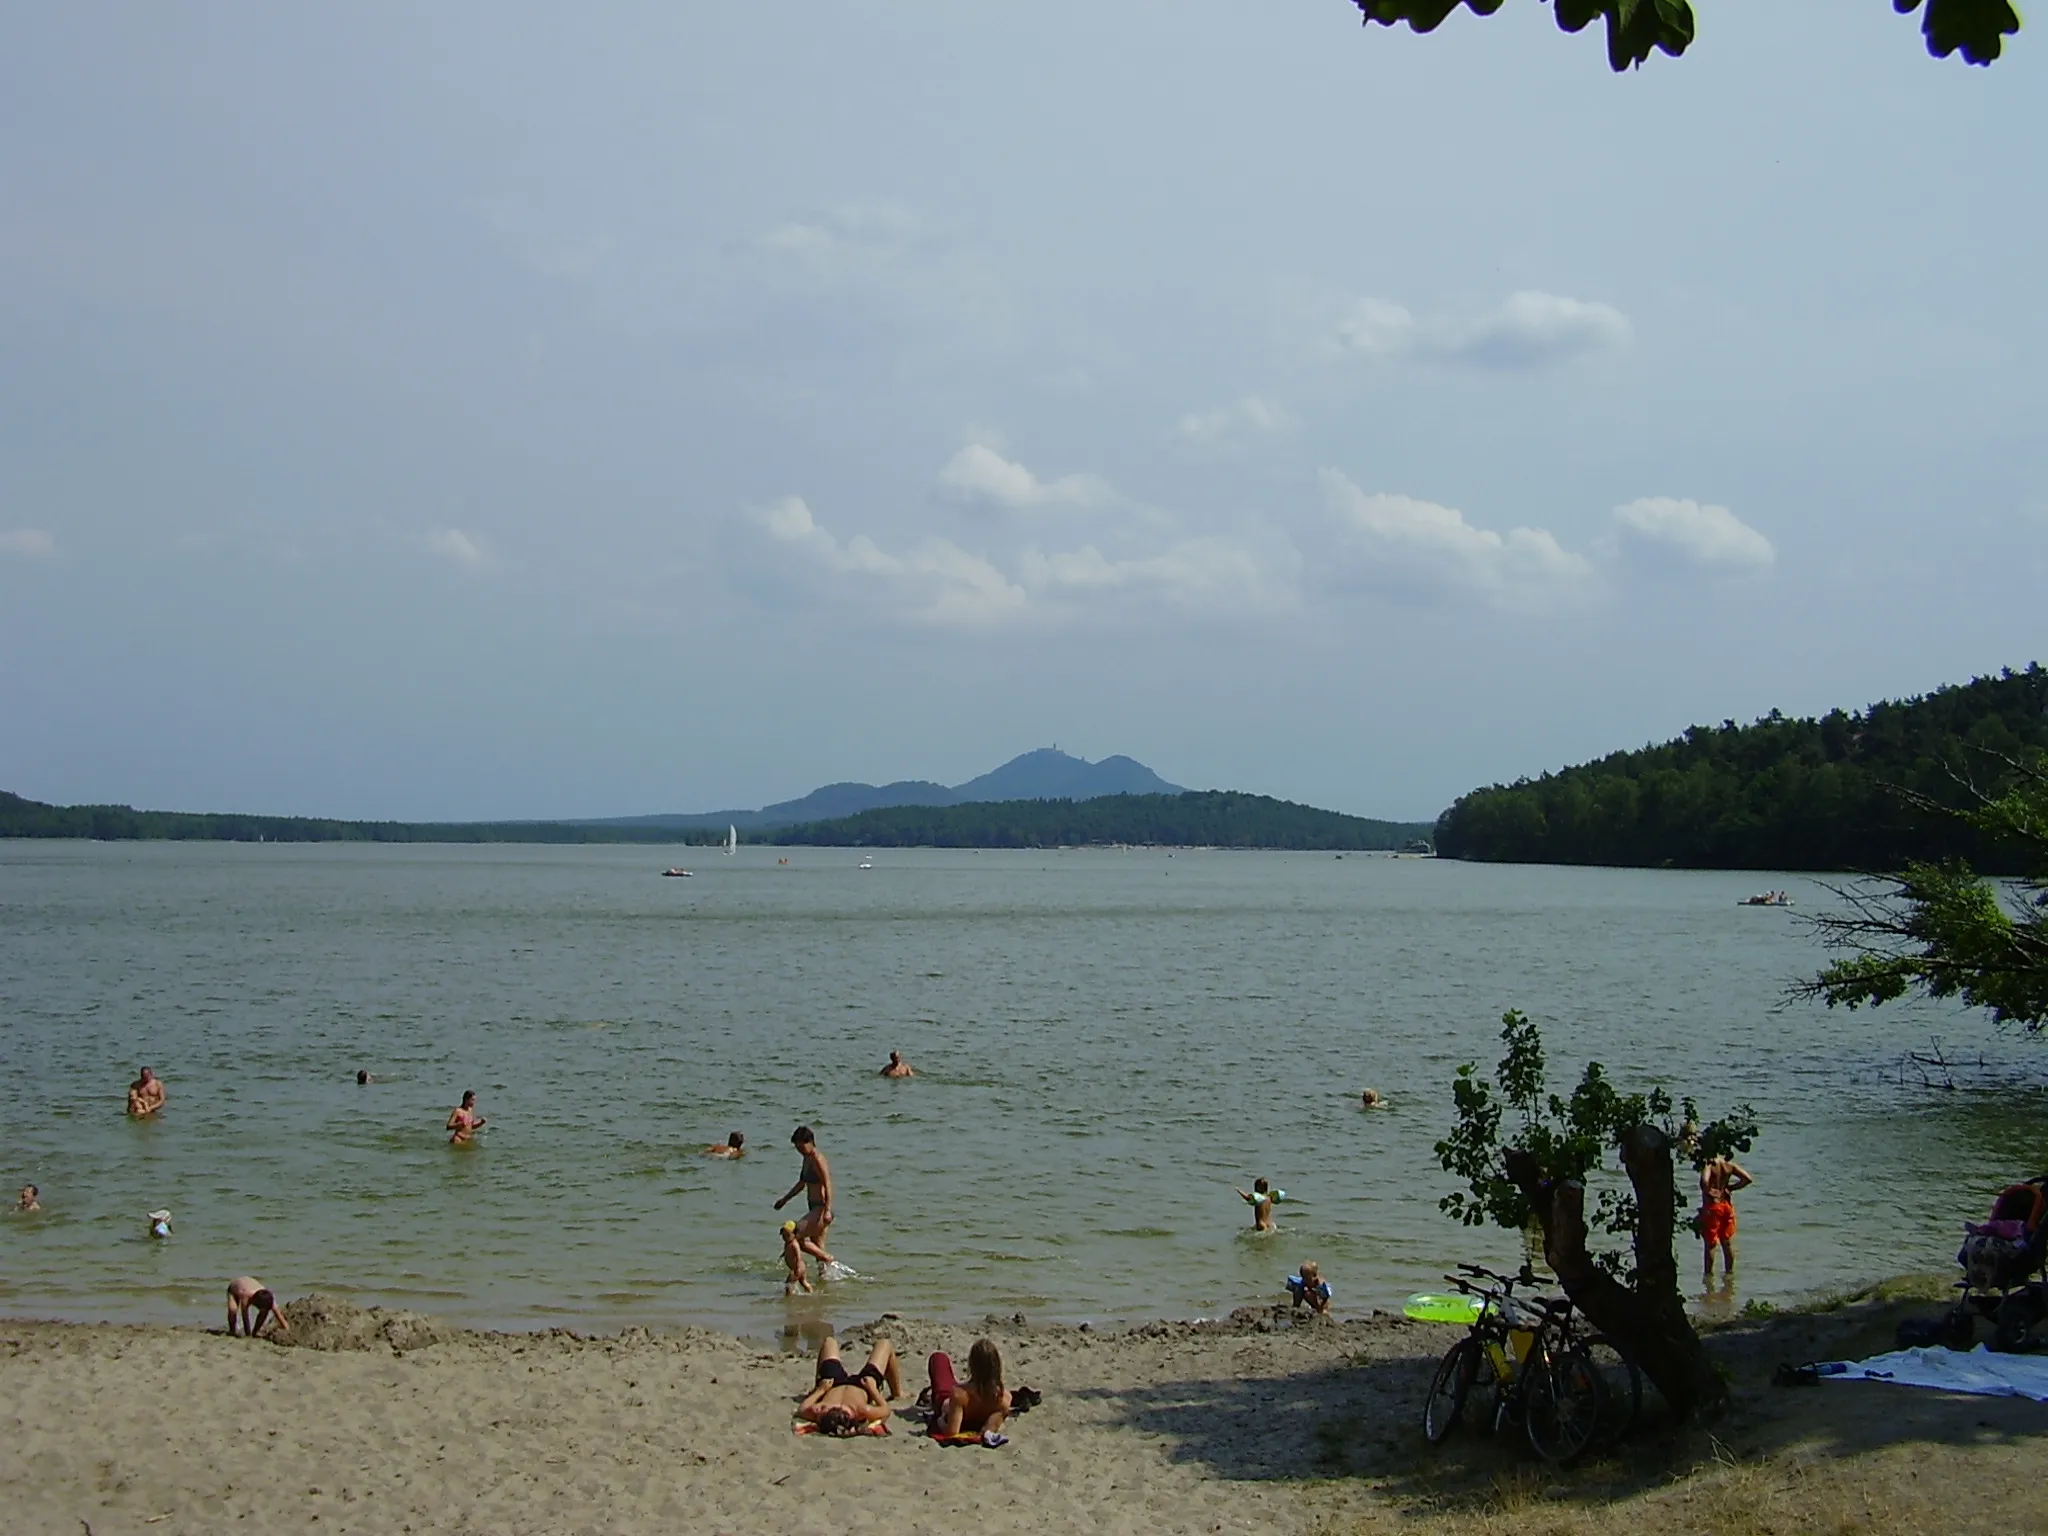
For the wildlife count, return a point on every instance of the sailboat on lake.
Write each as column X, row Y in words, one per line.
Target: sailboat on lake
column 732, row 841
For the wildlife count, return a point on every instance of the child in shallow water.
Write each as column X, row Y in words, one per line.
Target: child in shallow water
column 793, row 1261
column 1262, row 1199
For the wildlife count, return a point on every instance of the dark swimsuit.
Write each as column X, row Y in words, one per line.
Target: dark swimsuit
column 834, row 1371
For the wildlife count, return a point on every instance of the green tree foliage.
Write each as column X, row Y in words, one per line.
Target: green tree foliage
column 1869, row 791
column 1635, row 28
column 1199, row 818
column 120, row 823
column 1526, row 1155
column 1943, row 931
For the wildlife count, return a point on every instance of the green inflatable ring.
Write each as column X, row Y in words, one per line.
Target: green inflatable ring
column 1427, row 1308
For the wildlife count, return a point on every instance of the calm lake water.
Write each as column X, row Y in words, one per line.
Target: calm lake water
column 1107, row 1042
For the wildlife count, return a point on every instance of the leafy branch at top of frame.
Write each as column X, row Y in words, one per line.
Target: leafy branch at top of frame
column 1637, row 28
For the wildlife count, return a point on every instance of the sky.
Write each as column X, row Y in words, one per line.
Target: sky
column 476, row 411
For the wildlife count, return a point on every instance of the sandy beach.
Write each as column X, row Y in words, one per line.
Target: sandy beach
column 411, row 1427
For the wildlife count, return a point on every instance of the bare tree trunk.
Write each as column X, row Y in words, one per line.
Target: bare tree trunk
column 1647, row 1322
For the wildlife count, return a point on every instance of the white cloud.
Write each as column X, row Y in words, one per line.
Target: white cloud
column 978, row 473
column 846, row 241
column 1528, row 329
column 1250, row 417
column 937, row 582
column 458, row 548
column 29, row 543
column 1700, row 533
column 1522, row 570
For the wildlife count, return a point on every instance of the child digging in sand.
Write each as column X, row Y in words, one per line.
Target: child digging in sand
column 1309, row 1289
column 793, row 1261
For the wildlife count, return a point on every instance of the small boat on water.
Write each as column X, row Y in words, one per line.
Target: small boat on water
column 865, row 864
column 732, row 841
column 675, row 872
column 1766, row 899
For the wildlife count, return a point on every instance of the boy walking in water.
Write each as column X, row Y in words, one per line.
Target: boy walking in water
column 793, row 1262
column 1720, row 1177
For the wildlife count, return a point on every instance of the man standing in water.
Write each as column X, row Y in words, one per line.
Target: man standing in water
column 463, row 1121
column 1720, row 1177
column 145, row 1095
column 897, row 1067
column 815, row 1183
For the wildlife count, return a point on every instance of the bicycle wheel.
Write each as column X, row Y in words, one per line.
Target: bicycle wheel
column 1621, row 1387
column 1444, row 1410
column 1561, row 1405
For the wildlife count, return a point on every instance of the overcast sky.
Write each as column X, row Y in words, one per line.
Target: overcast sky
column 469, row 411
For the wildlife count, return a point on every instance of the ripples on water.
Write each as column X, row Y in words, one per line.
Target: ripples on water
column 1107, row 1043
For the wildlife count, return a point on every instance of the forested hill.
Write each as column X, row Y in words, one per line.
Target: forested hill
column 1779, row 794
column 1203, row 818
column 120, row 823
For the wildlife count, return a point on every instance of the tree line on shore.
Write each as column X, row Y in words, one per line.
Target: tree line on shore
column 1198, row 818
column 1844, row 791
column 21, row 817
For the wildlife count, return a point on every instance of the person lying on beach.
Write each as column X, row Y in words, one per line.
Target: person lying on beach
column 30, row 1199
column 839, row 1404
column 1262, row 1199
column 897, row 1067
column 247, row 1295
column 145, row 1095
column 975, row 1407
column 793, row 1262
column 463, row 1121
column 814, row 1182
column 734, row 1145
column 1309, row 1289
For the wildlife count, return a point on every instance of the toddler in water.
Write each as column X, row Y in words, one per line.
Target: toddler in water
column 1262, row 1199
column 793, row 1261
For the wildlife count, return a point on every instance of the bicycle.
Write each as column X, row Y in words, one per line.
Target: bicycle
column 1540, row 1376
column 1621, row 1380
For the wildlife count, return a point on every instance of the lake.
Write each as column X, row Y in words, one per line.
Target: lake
column 1107, row 1042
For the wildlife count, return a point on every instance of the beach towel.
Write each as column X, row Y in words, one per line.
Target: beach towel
column 1979, row 1371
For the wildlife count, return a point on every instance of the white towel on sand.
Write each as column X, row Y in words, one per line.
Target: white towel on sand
column 1978, row 1371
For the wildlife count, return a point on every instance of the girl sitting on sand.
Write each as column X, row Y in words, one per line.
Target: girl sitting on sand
column 960, row 1411
column 839, row 1404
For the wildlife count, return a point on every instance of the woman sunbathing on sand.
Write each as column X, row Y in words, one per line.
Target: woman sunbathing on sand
column 839, row 1404
column 976, row 1406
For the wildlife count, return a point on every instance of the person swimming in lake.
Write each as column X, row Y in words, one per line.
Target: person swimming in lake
column 734, row 1145
column 145, row 1095
column 1262, row 1199
column 897, row 1066
column 1372, row 1098
column 31, row 1199
column 463, row 1121
column 839, row 1404
column 249, row 1297
column 793, row 1262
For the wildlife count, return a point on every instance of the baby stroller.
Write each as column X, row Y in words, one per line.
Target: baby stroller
column 2003, row 1259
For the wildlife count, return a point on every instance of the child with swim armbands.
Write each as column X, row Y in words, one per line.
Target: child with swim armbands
column 1262, row 1200
column 1309, row 1288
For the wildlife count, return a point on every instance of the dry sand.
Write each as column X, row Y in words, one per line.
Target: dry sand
column 402, row 1425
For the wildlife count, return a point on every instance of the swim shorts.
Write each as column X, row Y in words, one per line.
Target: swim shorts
column 1717, row 1222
